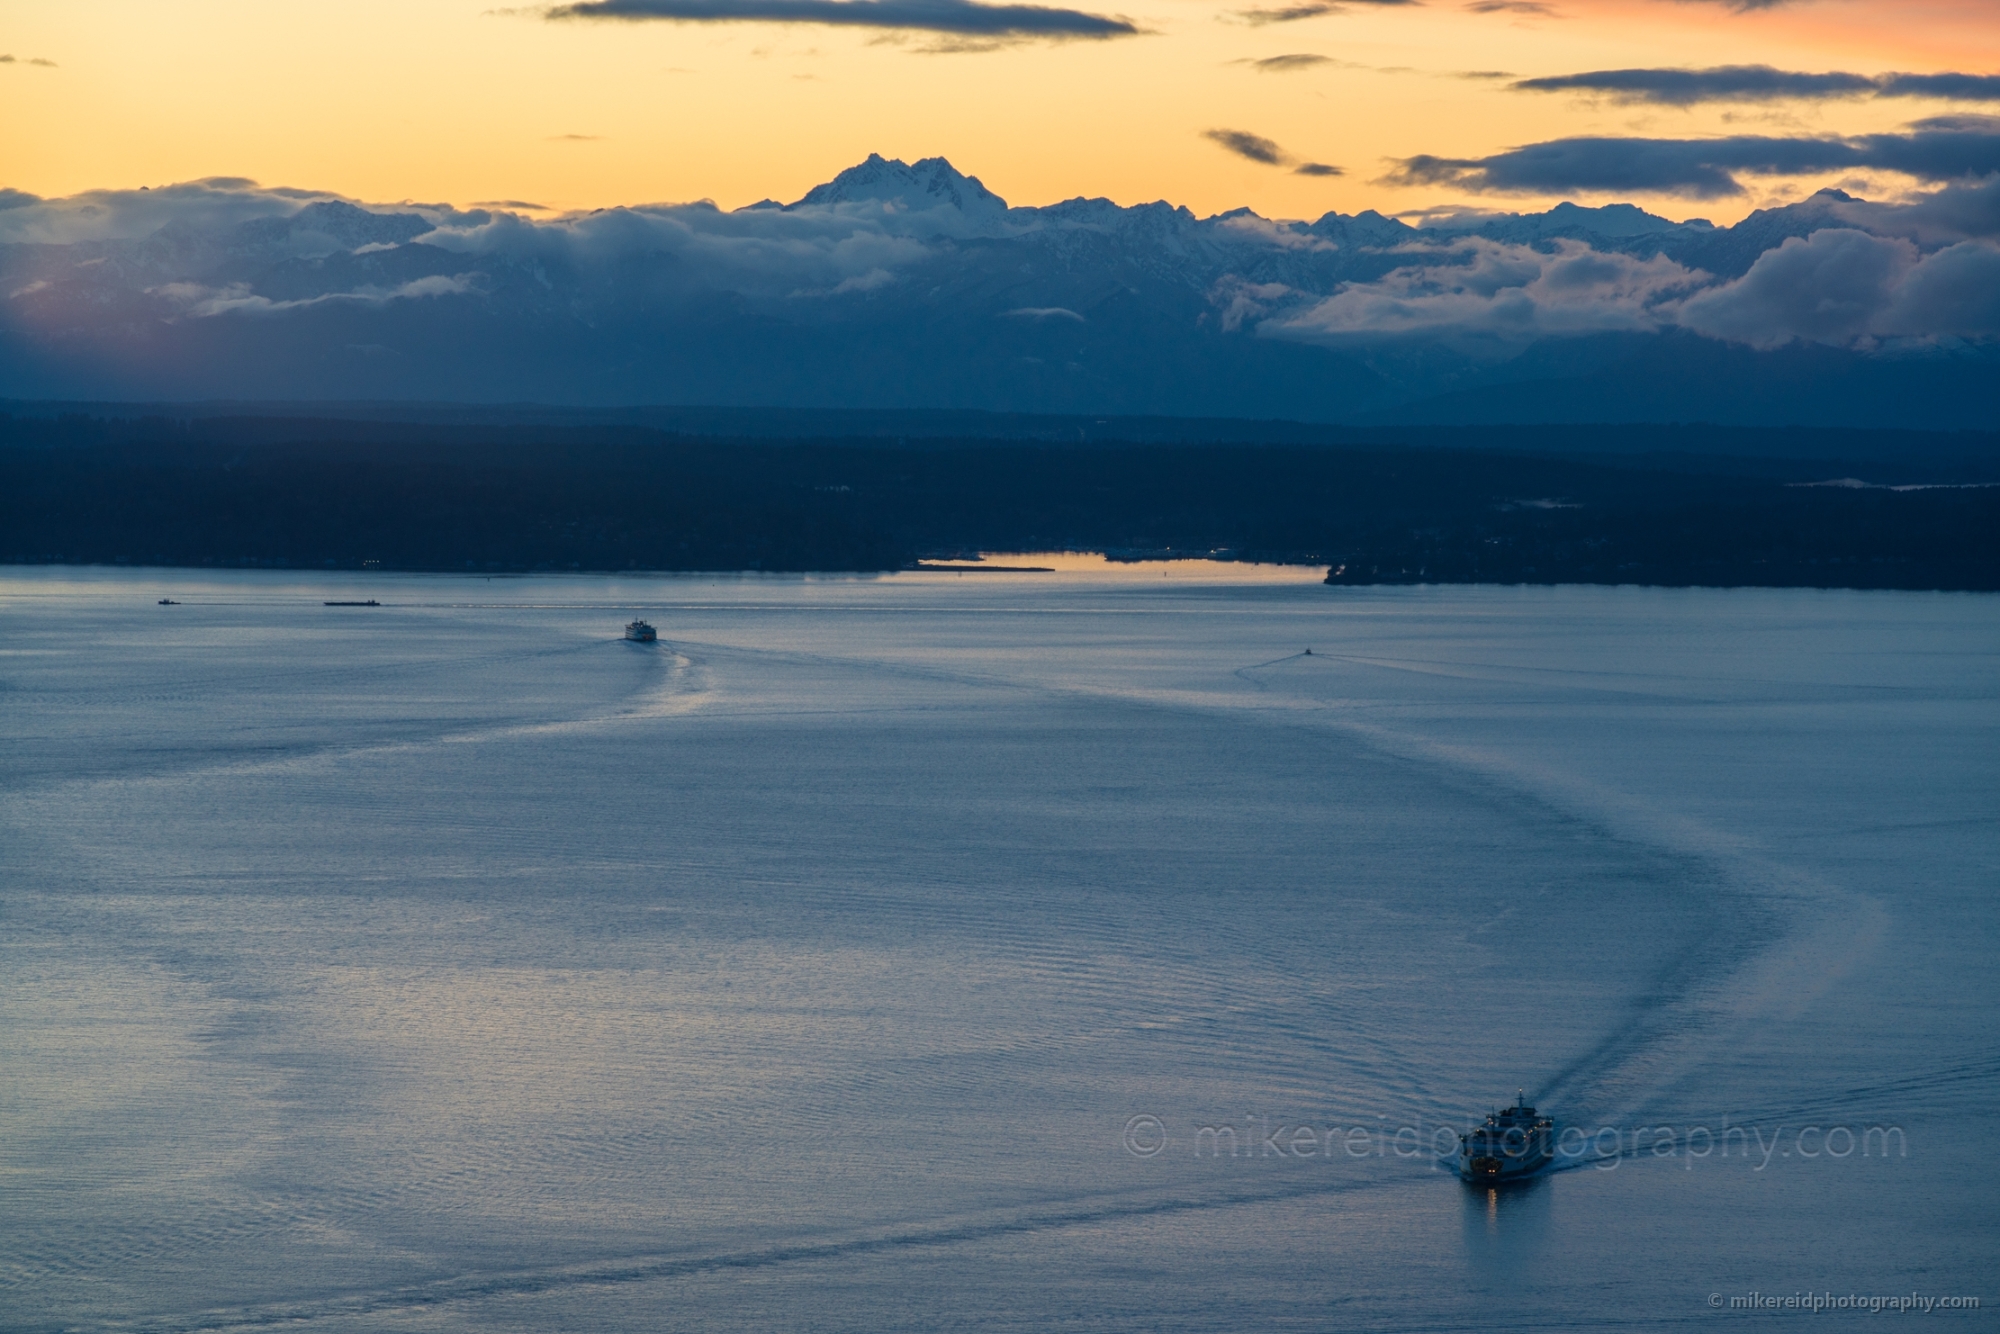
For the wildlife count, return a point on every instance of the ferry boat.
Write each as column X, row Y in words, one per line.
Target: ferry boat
column 1515, row 1142
column 641, row 633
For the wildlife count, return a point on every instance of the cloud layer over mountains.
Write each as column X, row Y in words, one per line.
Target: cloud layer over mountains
column 907, row 286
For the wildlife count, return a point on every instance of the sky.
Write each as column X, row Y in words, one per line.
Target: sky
column 1289, row 107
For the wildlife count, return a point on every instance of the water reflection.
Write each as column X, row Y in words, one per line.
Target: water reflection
column 1506, row 1232
column 1099, row 565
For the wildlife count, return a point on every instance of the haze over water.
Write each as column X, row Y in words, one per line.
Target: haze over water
column 870, row 954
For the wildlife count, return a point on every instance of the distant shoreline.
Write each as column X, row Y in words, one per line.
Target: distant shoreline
column 354, row 496
column 925, row 566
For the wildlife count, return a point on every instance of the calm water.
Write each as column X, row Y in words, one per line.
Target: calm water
column 895, row 954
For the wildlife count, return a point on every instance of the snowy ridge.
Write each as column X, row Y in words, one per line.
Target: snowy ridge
column 224, row 288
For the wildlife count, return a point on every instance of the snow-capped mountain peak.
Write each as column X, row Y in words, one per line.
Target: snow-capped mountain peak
column 927, row 184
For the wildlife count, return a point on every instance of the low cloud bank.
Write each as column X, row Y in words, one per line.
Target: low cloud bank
column 191, row 208
column 237, row 298
column 1837, row 286
column 1484, row 288
column 1841, row 286
column 758, row 252
column 925, row 260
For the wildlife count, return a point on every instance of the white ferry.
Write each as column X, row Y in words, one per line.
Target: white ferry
column 1515, row 1142
column 641, row 633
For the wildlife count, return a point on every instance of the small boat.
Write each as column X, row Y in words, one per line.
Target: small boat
column 641, row 633
column 371, row 602
column 168, row 602
column 1515, row 1142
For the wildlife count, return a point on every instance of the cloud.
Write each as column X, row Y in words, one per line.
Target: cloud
column 1760, row 83
column 212, row 255
column 1827, row 287
column 1741, row 6
column 1488, row 290
column 1240, row 300
column 1955, row 291
column 1288, row 63
column 1244, row 144
column 103, row 215
column 1954, row 87
column 1527, row 7
column 1258, row 18
column 864, row 282
column 958, row 17
column 778, row 253
column 1257, row 148
column 1311, row 9
column 1685, row 87
column 1939, row 149
column 574, row 138
column 767, row 252
column 1960, row 211
column 199, row 302
column 1841, row 286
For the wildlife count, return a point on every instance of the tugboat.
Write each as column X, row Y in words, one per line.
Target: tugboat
column 641, row 633
column 1515, row 1142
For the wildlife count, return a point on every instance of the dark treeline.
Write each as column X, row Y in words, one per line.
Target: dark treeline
column 232, row 492
column 949, row 429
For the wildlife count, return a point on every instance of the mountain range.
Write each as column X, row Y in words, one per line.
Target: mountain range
column 901, row 285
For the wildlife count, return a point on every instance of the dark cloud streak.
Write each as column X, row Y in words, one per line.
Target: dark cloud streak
column 1760, row 83
column 1941, row 149
column 1957, row 87
column 1311, row 9
column 1258, row 149
column 957, row 17
column 1289, row 63
column 1246, row 145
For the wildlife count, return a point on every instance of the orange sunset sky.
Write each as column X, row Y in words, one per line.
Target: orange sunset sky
column 463, row 101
